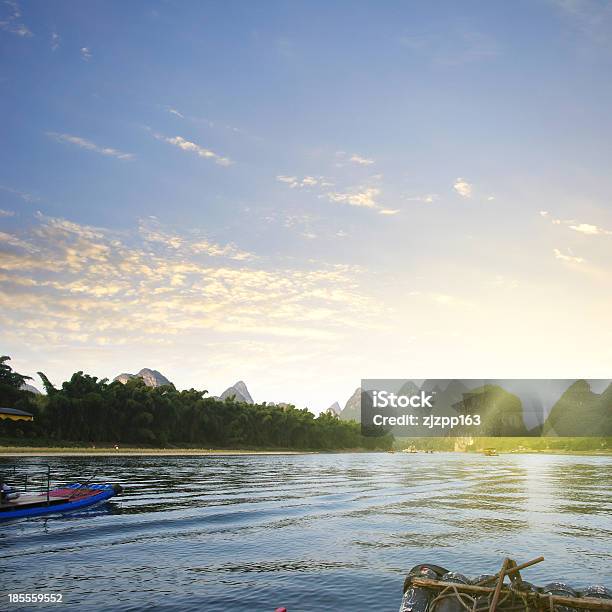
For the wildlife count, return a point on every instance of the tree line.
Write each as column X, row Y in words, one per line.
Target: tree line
column 93, row 411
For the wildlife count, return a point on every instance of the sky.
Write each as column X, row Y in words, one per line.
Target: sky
column 304, row 194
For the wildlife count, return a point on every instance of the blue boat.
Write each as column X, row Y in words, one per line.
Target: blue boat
column 59, row 500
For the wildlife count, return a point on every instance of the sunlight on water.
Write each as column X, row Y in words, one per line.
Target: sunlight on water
column 312, row 532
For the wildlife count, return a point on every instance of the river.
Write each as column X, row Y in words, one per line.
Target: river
column 313, row 533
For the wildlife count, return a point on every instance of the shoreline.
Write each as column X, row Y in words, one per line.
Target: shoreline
column 35, row 451
column 137, row 452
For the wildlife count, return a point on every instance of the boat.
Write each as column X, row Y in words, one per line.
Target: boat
column 34, row 496
column 490, row 452
column 71, row 497
column 431, row 588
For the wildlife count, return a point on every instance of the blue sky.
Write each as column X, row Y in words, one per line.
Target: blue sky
column 301, row 194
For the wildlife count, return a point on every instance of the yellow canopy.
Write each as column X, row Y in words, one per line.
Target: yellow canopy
column 15, row 415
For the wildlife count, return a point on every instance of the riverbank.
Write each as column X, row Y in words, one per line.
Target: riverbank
column 29, row 451
column 71, row 451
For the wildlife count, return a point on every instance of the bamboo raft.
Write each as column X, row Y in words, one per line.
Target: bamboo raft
column 493, row 593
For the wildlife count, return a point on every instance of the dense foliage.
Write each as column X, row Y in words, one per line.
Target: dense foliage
column 94, row 411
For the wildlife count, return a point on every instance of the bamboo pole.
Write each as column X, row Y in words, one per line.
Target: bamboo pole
column 512, row 570
column 586, row 603
column 500, row 583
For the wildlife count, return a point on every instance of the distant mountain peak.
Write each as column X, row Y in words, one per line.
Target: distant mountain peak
column 239, row 392
column 352, row 408
column 334, row 409
column 152, row 378
column 30, row 388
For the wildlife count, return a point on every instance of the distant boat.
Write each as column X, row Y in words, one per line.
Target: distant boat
column 490, row 452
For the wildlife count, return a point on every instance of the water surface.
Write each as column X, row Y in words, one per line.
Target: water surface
column 310, row 532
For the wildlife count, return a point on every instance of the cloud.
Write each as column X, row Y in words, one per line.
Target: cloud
column 90, row 146
column 463, row 188
column 55, row 41
column 14, row 241
column 175, row 112
column 428, row 198
column 308, row 181
column 587, row 229
column 591, row 19
column 186, row 145
column 66, row 283
column 362, row 161
column 362, row 196
column 85, row 53
column 10, row 22
column 388, row 211
column 24, row 195
column 569, row 257
column 366, row 197
column 590, row 230
column 490, row 198
column 6, row 213
column 151, row 230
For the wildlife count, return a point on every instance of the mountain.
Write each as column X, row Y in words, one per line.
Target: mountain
column 352, row 408
column 30, row 388
column 239, row 392
column 580, row 412
column 434, row 385
column 501, row 412
column 446, row 399
column 334, row 409
column 537, row 396
column 152, row 378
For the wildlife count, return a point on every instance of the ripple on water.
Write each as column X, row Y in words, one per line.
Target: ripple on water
column 311, row 532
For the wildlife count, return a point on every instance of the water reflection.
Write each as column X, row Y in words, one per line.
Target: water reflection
column 313, row 532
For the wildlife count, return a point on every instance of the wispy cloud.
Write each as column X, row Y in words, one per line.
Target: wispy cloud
column 65, row 283
column 85, row 53
column 463, row 188
column 151, row 230
column 362, row 161
column 388, row 211
column 10, row 21
column 192, row 147
column 343, row 158
column 588, row 229
column 24, row 195
column 83, row 143
column 305, row 182
column 568, row 257
column 365, row 197
column 428, row 198
column 15, row 241
column 591, row 18
column 55, row 41
column 6, row 213
column 173, row 111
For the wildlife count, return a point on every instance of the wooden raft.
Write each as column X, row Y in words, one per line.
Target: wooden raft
column 501, row 590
